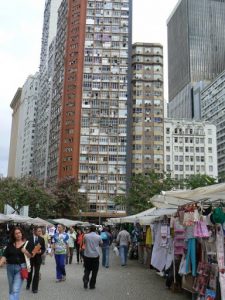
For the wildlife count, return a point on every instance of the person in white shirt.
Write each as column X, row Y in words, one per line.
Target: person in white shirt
column 123, row 239
column 71, row 243
column 92, row 243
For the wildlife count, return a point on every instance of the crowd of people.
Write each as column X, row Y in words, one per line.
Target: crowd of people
column 24, row 255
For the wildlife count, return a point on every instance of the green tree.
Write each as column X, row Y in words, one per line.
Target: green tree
column 199, row 180
column 19, row 192
column 143, row 188
column 69, row 201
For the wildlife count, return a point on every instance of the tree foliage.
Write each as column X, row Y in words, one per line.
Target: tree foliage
column 199, row 180
column 143, row 188
column 19, row 192
column 69, row 201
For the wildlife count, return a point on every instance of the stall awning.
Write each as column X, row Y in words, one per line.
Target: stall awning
column 68, row 222
column 174, row 199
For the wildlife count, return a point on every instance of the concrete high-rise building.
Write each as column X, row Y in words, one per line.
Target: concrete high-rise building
column 44, row 100
column 148, row 107
column 90, row 108
column 190, row 148
column 15, row 105
column 196, row 53
column 23, row 128
column 213, row 110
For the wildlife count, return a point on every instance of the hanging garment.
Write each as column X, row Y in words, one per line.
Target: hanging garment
column 220, row 258
column 159, row 253
column 191, row 256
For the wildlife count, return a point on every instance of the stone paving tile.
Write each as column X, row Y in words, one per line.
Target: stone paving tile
column 133, row 282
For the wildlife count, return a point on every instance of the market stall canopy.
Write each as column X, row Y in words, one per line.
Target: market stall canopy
column 39, row 222
column 156, row 215
column 4, row 218
column 132, row 218
column 173, row 199
column 68, row 222
column 18, row 219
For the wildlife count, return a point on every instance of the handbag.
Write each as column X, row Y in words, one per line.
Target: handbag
column 24, row 273
column 201, row 230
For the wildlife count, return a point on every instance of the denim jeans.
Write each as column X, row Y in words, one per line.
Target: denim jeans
column 60, row 260
column 123, row 254
column 191, row 256
column 105, row 256
column 15, row 280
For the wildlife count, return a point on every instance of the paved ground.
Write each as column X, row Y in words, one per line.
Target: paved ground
column 116, row 283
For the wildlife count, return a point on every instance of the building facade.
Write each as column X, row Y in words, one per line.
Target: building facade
column 15, row 106
column 213, row 110
column 46, row 68
column 90, row 118
column 23, row 128
column 190, row 148
column 148, row 108
column 195, row 50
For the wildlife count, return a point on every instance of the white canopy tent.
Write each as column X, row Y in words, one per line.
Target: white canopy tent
column 68, row 222
column 132, row 218
column 18, row 219
column 173, row 199
column 39, row 222
column 4, row 218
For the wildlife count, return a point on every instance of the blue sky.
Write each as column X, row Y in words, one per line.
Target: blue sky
column 20, row 41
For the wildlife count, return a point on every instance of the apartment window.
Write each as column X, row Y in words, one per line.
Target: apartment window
column 210, row 149
column 202, row 149
column 181, row 149
column 167, row 148
column 202, row 158
column 210, row 159
column 209, row 131
column 176, row 149
column 181, row 168
column 168, row 139
column 197, row 140
column 191, row 158
column 210, row 168
column 168, row 130
column 186, row 158
column 167, row 157
column 186, row 149
column 168, row 168
column 176, row 140
column 209, row 140
column 191, row 168
column 176, row 158
column 187, row 168
column 176, row 167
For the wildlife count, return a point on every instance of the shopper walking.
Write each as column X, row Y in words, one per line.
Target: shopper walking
column 71, row 242
column 59, row 249
column 92, row 242
column 38, row 245
column 123, row 240
column 106, row 242
column 14, row 256
column 79, row 242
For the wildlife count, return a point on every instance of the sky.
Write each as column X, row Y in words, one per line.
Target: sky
column 20, row 42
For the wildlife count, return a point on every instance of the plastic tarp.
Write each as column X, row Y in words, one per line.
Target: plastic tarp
column 173, row 199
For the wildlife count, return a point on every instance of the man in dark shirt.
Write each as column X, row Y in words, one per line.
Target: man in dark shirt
column 38, row 244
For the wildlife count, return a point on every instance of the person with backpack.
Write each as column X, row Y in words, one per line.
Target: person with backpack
column 106, row 242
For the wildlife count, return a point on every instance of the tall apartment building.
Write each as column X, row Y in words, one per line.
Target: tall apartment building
column 196, row 45
column 213, row 110
column 23, row 128
column 148, row 107
column 44, row 100
column 90, row 116
column 190, row 148
column 15, row 106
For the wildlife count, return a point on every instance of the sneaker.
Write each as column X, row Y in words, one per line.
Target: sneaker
column 161, row 274
column 92, row 287
column 58, row 280
column 63, row 278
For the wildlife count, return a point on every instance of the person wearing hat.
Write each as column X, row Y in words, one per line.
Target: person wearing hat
column 92, row 242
